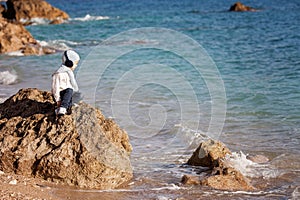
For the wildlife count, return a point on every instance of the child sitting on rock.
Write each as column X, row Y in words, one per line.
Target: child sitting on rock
column 64, row 83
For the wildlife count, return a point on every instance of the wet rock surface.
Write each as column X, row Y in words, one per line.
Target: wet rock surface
column 208, row 154
column 83, row 149
column 222, row 176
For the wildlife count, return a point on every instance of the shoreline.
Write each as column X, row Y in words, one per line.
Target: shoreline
column 14, row 186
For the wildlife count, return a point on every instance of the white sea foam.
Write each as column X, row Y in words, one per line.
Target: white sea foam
column 191, row 136
column 61, row 45
column 162, row 198
column 1, row 101
column 15, row 53
column 8, row 78
column 35, row 21
column 90, row 18
column 167, row 187
column 296, row 193
column 259, row 193
column 248, row 168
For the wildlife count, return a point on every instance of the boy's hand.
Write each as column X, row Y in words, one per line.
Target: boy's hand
column 58, row 103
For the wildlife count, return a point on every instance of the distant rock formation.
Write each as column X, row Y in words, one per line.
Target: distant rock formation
column 83, row 149
column 15, row 37
column 211, row 154
column 25, row 11
column 239, row 7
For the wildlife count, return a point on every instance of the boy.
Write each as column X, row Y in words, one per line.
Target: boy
column 64, row 83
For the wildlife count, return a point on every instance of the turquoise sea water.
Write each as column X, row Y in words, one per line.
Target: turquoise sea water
column 257, row 55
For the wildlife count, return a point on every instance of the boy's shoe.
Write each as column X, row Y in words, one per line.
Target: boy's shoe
column 61, row 111
column 56, row 111
column 69, row 110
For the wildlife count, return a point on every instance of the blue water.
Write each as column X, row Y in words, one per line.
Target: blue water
column 257, row 55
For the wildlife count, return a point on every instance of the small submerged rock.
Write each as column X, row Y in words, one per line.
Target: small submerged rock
column 222, row 176
column 258, row 158
column 84, row 149
column 190, row 180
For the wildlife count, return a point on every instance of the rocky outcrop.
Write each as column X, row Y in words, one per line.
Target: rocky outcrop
column 15, row 37
column 239, row 7
column 209, row 154
column 212, row 155
column 84, row 149
column 25, row 11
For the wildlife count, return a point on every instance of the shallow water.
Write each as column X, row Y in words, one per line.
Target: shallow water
column 162, row 100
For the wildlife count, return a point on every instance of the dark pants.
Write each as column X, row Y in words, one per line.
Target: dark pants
column 66, row 98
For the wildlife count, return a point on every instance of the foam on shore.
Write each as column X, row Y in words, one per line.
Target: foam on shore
column 239, row 161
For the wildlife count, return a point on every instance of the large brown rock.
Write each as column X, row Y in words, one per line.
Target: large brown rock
column 208, row 154
column 221, row 175
column 25, row 11
column 239, row 7
column 15, row 37
column 83, row 149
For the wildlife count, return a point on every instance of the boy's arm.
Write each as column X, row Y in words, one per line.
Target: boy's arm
column 55, row 87
column 73, row 81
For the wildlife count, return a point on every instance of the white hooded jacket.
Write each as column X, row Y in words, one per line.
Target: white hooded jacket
column 62, row 79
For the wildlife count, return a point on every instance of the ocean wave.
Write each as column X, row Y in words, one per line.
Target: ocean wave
column 15, row 53
column 90, row 18
column 35, row 21
column 239, row 161
column 40, row 21
column 8, row 78
column 2, row 99
column 62, row 45
column 192, row 137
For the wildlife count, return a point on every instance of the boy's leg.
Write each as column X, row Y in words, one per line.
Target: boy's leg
column 66, row 99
